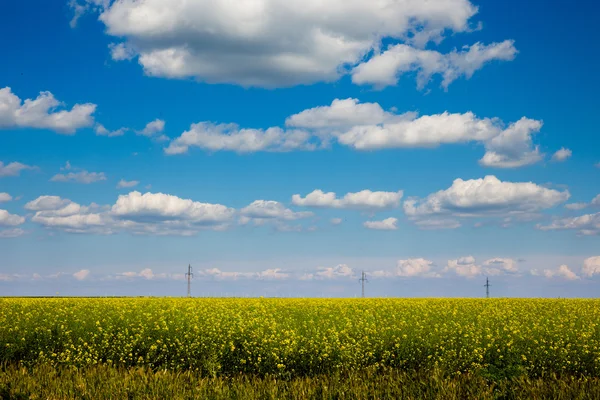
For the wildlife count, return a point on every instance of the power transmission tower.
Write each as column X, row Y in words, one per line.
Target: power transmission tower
column 189, row 276
column 362, row 280
column 487, row 288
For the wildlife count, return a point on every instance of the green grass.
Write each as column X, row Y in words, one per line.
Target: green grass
column 103, row 382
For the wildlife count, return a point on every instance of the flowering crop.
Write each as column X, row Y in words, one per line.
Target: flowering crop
column 297, row 337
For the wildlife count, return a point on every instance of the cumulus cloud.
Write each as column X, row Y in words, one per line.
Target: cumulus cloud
column 271, row 210
column 562, row 155
column 591, row 266
column 367, row 126
column 81, row 275
column 386, row 225
column 410, row 268
column 4, row 197
column 484, row 197
column 339, row 271
column 365, row 199
column 513, row 147
column 154, row 129
column 127, row 184
column 469, row 268
column 102, row 131
column 563, row 272
column 13, row 169
column 8, row 219
column 150, row 213
column 386, row 68
column 230, row 137
column 336, row 221
column 280, row 43
column 42, row 113
column 587, row 225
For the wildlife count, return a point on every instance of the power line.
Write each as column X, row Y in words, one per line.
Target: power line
column 487, row 288
column 362, row 280
column 189, row 276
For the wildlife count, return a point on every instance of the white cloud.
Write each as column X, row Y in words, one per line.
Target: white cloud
column 467, row 267
column 367, row 126
column 11, row 233
column 229, row 137
column 13, row 169
column 339, row 271
column 81, row 275
column 513, row 147
column 4, row 197
column 588, row 224
column 275, row 273
column 153, row 129
column 79, row 177
column 342, row 113
column 120, row 51
column 412, row 267
column 222, row 275
column 437, row 223
column 562, row 272
column 151, row 213
column 591, row 266
column 41, row 113
column 409, row 130
column 386, row 68
column 562, row 155
column 274, row 43
column 44, row 203
column 365, row 199
column 127, row 184
column 154, row 207
column 145, row 273
column 336, row 221
column 576, row 206
column 386, row 224
column 485, row 197
column 272, row 210
column 102, row 131
column 8, row 219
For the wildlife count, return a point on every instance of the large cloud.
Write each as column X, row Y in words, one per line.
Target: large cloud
column 41, row 113
column 149, row 213
column 367, row 126
column 365, row 199
column 485, row 197
column 591, row 266
column 274, row 43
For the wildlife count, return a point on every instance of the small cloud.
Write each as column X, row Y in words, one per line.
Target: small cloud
column 562, row 155
column 126, row 184
column 79, row 177
column 4, row 197
column 102, row 131
column 388, row 224
column 576, row 206
column 81, row 275
column 153, row 129
column 336, row 221
column 13, row 169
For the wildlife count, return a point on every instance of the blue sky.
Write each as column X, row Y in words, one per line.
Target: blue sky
column 459, row 138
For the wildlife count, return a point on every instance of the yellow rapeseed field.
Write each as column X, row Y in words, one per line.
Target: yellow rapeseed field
column 299, row 337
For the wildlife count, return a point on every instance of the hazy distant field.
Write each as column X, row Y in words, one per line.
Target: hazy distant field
column 295, row 340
